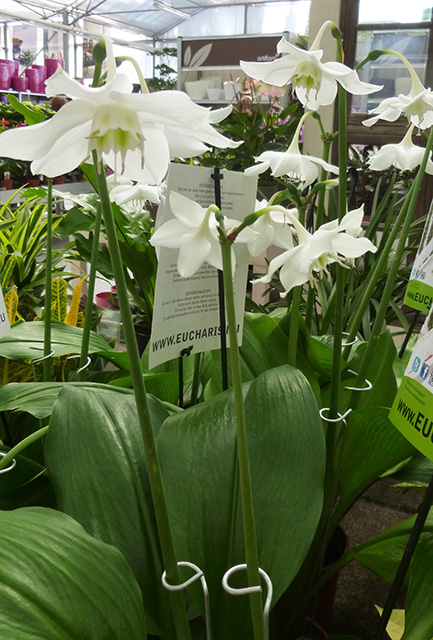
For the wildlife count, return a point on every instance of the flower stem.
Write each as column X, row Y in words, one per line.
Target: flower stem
column 7, row 459
column 250, row 540
column 47, row 374
column 153, row 467
column 90, row 293
column 294, row 326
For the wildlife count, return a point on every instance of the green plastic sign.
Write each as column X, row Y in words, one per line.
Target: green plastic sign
column 412, row 410
column 419, row 292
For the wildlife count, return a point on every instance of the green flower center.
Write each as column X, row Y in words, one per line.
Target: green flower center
column 116, row 128
column 307, row 75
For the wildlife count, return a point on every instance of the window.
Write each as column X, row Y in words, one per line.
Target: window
column 388, row 24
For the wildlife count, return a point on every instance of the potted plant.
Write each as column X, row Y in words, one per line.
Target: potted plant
column 151, row 496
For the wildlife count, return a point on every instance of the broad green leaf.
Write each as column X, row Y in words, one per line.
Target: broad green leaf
column 96, row 461
column 379, row 372
column 165, row 386
column 30, row 115
column 38, row 398
column 59, row 583
column 419, row 619
column 264, row 346
column 198, row 456
column 372, row 446
column 25, row 342
column 382, row 553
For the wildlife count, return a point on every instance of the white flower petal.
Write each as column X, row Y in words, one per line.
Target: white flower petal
column 188, row 212
column 192, row 254
column 170, row 234
column 350, row 247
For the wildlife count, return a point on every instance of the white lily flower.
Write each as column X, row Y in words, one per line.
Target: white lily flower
column 417, row 104
column 291, row 162
column 309, row 260
column 129, row 131
column 314, row 82
column 194, row 231
column 271, row 228
column 136, row 193
column 404, row 155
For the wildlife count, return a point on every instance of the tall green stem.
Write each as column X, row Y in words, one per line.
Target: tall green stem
column 153, row 467
column 294, row 326
column 378, row 270
column 48, row 264
column 250, row 540
column 339, row 294
column 90, row 293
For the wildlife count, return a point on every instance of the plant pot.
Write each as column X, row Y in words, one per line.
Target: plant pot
column 59, row 180
column 19, row 83
column 52, row 64
column 326, row 595
column 7, row 184
column 33, row 182
column 5, row 76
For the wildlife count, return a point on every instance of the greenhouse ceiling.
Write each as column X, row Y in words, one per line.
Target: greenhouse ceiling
column 149, row 18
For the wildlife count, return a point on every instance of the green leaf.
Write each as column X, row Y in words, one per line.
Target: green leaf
column 198, row 457
column 30, row 115
column 37, row 398
column 164, row 386
column 59, row 583
column 25, row 341
column 373, row 445
column 26, row 485
column 96, row 461
column 264, row 346
column 382, row 554
column 419, row 619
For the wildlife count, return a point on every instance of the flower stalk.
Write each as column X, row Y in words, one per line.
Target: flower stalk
column 46, row 365
column 250, row 539
column 153, row 467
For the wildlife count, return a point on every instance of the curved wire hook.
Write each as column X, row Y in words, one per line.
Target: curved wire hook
column 2, row 454
column 199, row 575
column 348, row 344
column 341, row 418
column 49, row 355
column 235, row 591
column 88, row 361
column 368, row 386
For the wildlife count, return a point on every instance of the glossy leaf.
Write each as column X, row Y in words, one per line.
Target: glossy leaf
column 419, row 619
column 26, row 485
column 59, row 583
column 198, row 457
column 264, row 346
column 96, row 461
column 25, row 342
column 382, row 554
column 372, row 446
column 38, row 398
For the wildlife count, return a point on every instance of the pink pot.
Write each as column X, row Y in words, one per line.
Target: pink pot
column 41, row 77
column 20, row 83
column 33, row 77
column 52, row 64
column 5, row 76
